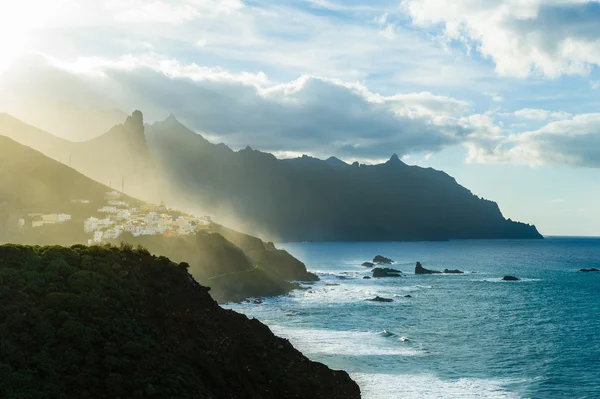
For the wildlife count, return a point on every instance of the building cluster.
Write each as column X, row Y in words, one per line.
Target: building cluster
column 119, row 217
column 40, row 219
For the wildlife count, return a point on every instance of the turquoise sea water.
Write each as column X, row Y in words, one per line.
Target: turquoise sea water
column 459, row 336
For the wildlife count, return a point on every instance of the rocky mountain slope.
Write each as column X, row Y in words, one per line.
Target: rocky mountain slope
column 308, row 199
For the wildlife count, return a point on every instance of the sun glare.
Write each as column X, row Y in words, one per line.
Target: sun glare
column 18, row 20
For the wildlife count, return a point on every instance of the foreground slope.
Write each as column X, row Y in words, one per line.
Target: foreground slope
column 103, row 322
column 308, row 199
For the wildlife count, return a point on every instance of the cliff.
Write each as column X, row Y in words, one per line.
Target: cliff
column 104, row 322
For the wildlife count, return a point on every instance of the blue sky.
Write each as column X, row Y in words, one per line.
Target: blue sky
column 504, row 95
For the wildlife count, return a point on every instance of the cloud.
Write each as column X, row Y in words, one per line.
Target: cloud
column 310, row 114
column 548, row 38
column 494, row 96
column 540, row 114
column 574, row 142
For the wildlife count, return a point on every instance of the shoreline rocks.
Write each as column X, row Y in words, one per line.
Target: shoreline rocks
column 510, row 278
column 386, row 272
column 380, row 299
column 455, row 271
column 382, row 260
column 368, row 264
column 419, row 269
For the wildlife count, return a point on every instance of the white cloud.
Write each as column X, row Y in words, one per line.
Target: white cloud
column 494, row 96
column 574, row 142
column 312, row 115
column 178, row 11
column 549, row 38
column 540, row 114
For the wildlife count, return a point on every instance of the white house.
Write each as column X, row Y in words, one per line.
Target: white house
column 123, row 214
column 63, row 217
column 115, row 232
column 98, row 236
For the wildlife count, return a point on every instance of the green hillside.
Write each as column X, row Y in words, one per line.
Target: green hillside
column 103, row 322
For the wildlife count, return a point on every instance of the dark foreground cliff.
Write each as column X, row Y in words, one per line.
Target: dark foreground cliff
column 104, row 322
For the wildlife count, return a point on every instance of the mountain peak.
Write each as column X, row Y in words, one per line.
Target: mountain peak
column 336, row 161
column 136, row 119
column 171, row 118
column 394, row 160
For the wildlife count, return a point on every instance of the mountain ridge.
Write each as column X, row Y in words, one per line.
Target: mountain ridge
column 306, row 198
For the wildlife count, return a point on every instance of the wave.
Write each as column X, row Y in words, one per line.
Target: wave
column 426, row 386
column 348, row 343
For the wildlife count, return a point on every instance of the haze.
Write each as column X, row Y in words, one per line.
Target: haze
column 505, row 99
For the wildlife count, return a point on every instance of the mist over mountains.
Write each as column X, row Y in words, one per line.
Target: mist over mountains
column 301, row 199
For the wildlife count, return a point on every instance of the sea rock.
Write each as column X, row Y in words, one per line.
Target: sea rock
column 510, row 278
column 366, row 278
column 589, row 270
column 380, row 299
column 386, row 272
column 382, row 260
column 419, row 269
column 455, row 271
column 368, row 264
column 407, row 296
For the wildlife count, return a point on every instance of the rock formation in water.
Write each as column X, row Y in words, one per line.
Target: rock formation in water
column 419, row 269
column 382, row 260
column 386, row 272
column 380, row 299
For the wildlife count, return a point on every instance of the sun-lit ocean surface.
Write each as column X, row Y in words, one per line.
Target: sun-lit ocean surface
column 458, row 336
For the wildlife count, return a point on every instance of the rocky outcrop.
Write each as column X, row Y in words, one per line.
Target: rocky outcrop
column 382, row 260
column 419, row 269
column 380, row 299
column 510, row 278
column 368, row 264
column 386, row 272
column 455, row 271
column 589, row 270
column 266, row 256
column 366, row 278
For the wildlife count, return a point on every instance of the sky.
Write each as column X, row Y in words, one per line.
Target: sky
column 504, row 95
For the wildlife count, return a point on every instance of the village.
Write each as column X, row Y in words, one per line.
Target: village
column 118, row 216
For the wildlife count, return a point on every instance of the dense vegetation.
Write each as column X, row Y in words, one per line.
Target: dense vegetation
column 104, row 322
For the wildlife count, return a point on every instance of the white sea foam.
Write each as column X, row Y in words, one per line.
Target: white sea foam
column 354, row 343
column 428, row 386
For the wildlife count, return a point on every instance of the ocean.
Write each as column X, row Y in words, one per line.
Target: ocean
column 456, row 336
